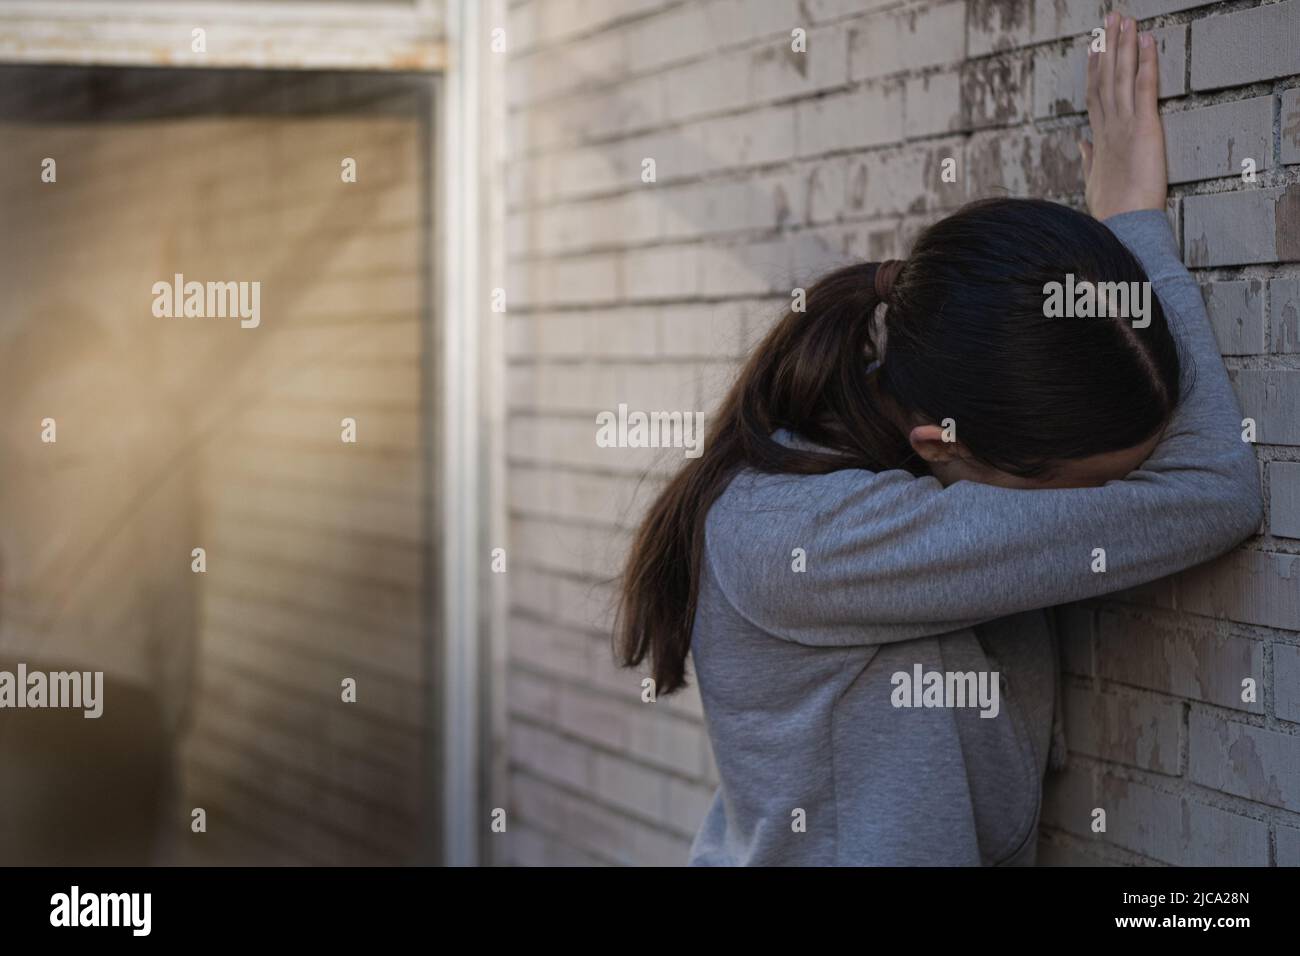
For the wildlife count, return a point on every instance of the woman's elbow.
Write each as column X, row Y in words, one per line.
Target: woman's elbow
column 1252, row 511
column 1241, row 503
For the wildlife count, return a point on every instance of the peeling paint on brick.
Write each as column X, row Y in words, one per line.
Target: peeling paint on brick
column 994, row 92
column 1290, row 129
column 1284, row 331
column 1286, row 218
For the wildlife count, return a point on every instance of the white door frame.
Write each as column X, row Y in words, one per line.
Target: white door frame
column 470, row 129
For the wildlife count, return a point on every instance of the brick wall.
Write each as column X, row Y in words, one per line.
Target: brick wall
column 772, row 166
column 182, row 433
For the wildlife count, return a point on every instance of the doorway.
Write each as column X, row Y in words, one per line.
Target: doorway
column 226, row 506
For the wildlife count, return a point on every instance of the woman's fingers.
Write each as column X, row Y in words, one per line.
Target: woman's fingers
column 1106, row 64
column 1124, row 164
column 1146, row 88
column 1126, row 58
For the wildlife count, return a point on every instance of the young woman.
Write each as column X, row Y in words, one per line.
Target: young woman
column 893, row 492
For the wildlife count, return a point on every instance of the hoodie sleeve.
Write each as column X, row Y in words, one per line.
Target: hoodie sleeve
column 892, row 557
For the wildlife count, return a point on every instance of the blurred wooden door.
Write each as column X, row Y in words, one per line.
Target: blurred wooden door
column 198, row 432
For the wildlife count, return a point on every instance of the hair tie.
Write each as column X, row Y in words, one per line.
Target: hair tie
column 886, row 273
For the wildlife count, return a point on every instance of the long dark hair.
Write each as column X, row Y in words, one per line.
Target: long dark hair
column 965, row 338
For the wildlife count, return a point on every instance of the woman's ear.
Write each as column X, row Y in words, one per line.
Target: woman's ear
column 928, row 442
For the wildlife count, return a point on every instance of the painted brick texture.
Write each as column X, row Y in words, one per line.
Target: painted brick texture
column 772, row 165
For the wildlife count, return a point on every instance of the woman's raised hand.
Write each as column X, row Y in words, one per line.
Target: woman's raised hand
column 1124, row 165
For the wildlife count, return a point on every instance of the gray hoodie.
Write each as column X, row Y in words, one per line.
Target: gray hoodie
column 799, row 671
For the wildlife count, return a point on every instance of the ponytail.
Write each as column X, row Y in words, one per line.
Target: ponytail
column 809, row 375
